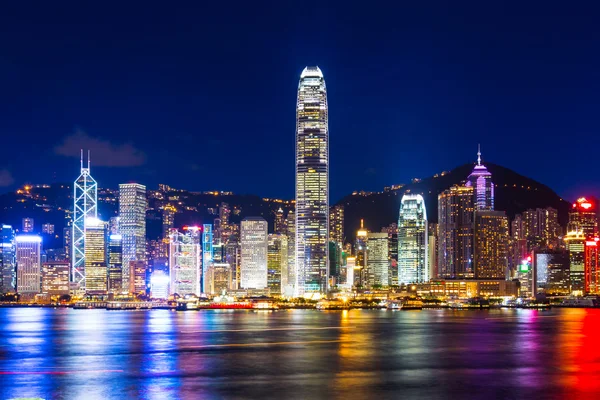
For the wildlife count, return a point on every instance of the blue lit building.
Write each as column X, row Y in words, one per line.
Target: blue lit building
column 207, row 251
column 7, row 260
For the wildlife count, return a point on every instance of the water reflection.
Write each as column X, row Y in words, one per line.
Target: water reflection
column 162, row 354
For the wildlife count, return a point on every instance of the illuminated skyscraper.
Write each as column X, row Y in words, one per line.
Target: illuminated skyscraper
column 291, row 235
column 312, row 184
column 29, row 263
column 491, row 244
column 455, row 224
column 132, row 224
column 412, row 240
column 583, row 218
column 377, row 259
column 168, row 220
column 185, row 260
column 115, row 263
column 85, row 198
column 207, row 251
column 483, row 188
column 279, row 221
column 540, row 227
column 96, row 277
column 592, row 266
column 55, row 277
column 575, row 241
column 277, row 263
column 254, row 244
column 8, row 270
column 336, row 224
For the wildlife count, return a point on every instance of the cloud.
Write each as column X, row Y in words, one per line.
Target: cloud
column 103, row 152
column 6, row 178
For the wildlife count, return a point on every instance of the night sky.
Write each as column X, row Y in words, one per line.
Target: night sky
column 202, row 97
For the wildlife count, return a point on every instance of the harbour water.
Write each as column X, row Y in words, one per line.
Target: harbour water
column 299, row 354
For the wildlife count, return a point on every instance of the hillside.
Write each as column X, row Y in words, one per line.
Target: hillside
column 514, row 193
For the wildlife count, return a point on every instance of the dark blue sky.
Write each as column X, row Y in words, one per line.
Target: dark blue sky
column 203, row 96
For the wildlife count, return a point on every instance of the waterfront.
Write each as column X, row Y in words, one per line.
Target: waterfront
column 158, row 354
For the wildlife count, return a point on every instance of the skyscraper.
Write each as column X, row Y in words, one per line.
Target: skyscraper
column 29, row 263
column 254, row 243
column 483, row 188
column 28, row 225
column 455, row 224
column 185, row 260
column 115, row 263
column 412, row 240
column 277, row 263
column 207, row 253
column 96, row 277
column 291, row 235
column 85, row 199
column 336, row 224
column 8, row 270
column 592, row 266
column 312, row 184
column 575, row 241
column 132, row 224
column 377, row 259
column 491, row 244
column 583, row 217
column 55, row 277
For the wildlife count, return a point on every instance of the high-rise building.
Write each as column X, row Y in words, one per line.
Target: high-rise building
column 168, row 220
column 540, row 227
column 159, row 285
column 491, row 244
column 360, row 251
column 55, row 277
column 207, row 252
column 412, row 240
column 291, row 236
column 377, row 259
column 312, row 184
column 279, row 222
column 483, row 188
column 592, row 266
column 583, row 218
column 8, row 262
column 558, row 273
column 455, row 225
column 96, row 276
column 218, row 278
column 336, row 224
column 48, row 229
column 575, row 241
column 277, row 263
column 29, row 263
column 115, row 263
column 27, row 225
column 392, row 231
column 185, row 261
column 432, row 243
column 85, row 199
column 137, row 277
column 132, row 224
column 254, row 244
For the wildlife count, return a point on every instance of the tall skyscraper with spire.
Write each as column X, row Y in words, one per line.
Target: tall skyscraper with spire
column 312, row 184
column 85, row 199
column 483, row 188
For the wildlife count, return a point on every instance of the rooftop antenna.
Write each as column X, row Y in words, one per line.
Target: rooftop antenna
column 88, row 159
column 479, row 154
column 81, row 158
column 361, row 223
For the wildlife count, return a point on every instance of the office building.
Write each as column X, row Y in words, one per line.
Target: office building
column 254, row 249
column 137, row 277
column 491, row 245
column 540, row 227
column 85, row 199
column 291, row 235
column 360, row 252
column 558, row 273
column 55, row 277
column 48, row 229
column 115, row 263
column 377, row 259
column 8, row 262
column 29, row 263
column 96, row 279
column 483, row 188
column 218, row 278
column 336, row 224
column 412, row 240
column 159, row 285
column 207, row 252
column 592, row 267
column 132, row 224
column 312, row 184
column 185, row 261
column 27, row 225
column 575, row 241
column 455, row 236
column 392, row 232
column 583, row 217
column 279, row 226
column 277, row 263
column 168, row 220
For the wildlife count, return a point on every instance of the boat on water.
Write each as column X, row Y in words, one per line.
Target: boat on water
column 393, row 305
column 404, row 304
column 580, row 302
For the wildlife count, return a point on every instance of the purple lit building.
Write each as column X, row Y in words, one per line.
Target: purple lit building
column 483, row 188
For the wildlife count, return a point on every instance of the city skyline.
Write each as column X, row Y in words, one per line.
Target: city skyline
column 155, row 108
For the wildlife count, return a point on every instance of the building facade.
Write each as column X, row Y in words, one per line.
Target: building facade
column 96, row 267
column 85, row 199
column 377, row 259
column 483, row 187
column 491, row 244
column 312, row 184
column 412, row 240
column 185, row 260
column 132, row 224
column 8, row 262
column 29, row 263
column 277, row 263
column 55, row 277
column 254, row 249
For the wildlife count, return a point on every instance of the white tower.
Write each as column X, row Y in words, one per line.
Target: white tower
column 85, row 199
